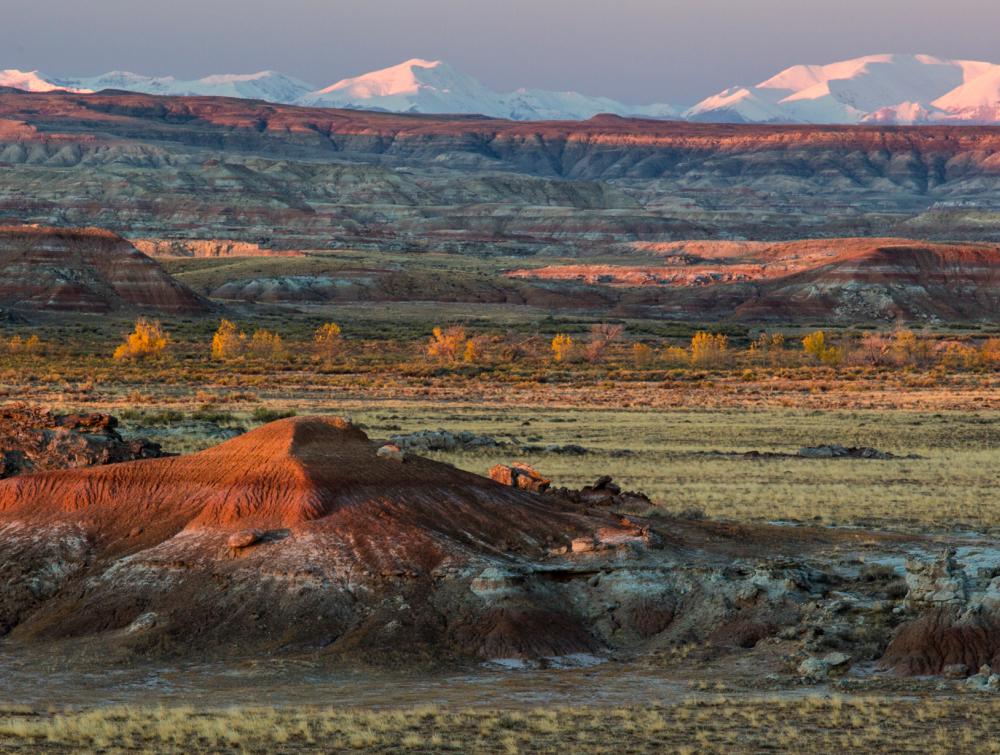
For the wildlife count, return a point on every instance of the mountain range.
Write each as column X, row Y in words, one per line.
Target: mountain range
column 880, row 89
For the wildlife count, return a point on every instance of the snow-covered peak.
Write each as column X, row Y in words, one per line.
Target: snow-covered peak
column 884, row 89
column 30, row 81
column 980, row 91
column 416, row 85
column 263, row 85
column 849, row 91
column 433, row 86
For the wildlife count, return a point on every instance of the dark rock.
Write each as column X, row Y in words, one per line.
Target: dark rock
column 843, row 452
column 35, row 440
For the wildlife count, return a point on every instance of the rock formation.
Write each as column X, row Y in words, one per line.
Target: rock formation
column 33, row 440
column 85, row 270
column 838, row 280
column 299, row 537
column 303, row 178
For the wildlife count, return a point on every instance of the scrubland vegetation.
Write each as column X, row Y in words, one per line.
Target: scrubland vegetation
column 710, row 723
column 650, row 409
column 607, row 345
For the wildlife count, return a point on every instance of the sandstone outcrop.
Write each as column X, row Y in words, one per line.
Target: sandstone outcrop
column 208, row 248
column 604, row 492
column 952, row 607
column 85, row 270
column 520, row 476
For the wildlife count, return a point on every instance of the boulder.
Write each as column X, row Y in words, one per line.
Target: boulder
column 392, row 452
column 938, row 582
column 842, row 452
column 985, row 680
column 818, row 668
column 244, row 539
column 604, row 492
column 519, row 476
column 443, row 440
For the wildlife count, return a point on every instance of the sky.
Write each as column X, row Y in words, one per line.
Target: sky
column 638, row 51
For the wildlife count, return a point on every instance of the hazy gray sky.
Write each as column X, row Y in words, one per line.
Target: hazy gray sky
column 634, row 50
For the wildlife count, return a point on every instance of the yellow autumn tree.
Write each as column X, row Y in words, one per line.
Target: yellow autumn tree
column 562, row 346
column 815, row 345
column 228, row 342
column 327, row 340
column 709, row 349
column 473, row 351
column 147, row 340
column 446, row 345
column 267, row 346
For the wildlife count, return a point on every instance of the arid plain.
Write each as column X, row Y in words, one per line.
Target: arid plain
column 497, row 437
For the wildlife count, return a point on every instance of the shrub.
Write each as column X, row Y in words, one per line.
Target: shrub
column 957, row 356
column 267, row 345
column 990, row 351
column 676, row 356
column 642, row 354
column 562, row 346
column 909, row 349
column 446, row 345
column 327, row 340
column 228, row 342
column 874, row 349
column 709, row 349
column 263, row 414
column 147, row 340
column 601, row 336
column 768, row 348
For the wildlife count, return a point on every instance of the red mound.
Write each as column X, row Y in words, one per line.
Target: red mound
column 297, row 533
column 84, row 270
column 939, row 639
column 315, row 474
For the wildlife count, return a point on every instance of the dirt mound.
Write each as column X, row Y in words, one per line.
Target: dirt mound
column 84, row 270
column 942, row 638
column 336, row 531
column 317, row 473
column 33, row 440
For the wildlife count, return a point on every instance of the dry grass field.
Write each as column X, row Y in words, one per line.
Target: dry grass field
column 702, row 723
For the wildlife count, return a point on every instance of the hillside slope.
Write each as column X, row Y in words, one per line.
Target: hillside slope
column 85, row 270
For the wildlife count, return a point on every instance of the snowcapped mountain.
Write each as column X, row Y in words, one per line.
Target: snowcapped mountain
column 433, row 86
column 874, row 88
column 877, row 89
column 264, row 85
column 414, row 86
column 29, row 81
